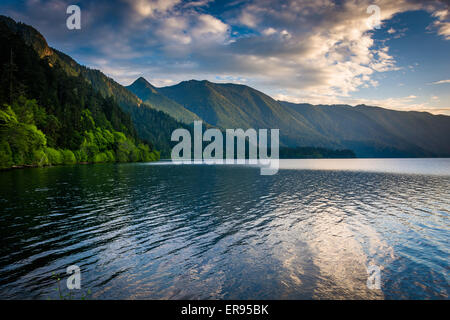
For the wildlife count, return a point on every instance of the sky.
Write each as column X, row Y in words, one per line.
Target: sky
column 309, row 51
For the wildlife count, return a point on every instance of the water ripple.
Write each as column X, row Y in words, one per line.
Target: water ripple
column 213, row 232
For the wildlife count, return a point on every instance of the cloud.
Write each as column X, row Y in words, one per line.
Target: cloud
column 443, row 23
column 246, row 18
column 148, row 8
column 209, row 27
column 199, row 3
column 440, row 82
column 323, row 47
column 434, row 98
column 269, row 31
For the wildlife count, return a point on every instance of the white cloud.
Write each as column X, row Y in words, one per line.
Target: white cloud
column 440, row 82
column 443, row 23
column 148, row 8
column 199, row 3
column 209, row 27
column 435, row 98
column 323, row 48
column 269, row 31
column 248, row 19
column 172, row 31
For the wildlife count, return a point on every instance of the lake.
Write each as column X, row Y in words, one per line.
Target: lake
column 164, row 231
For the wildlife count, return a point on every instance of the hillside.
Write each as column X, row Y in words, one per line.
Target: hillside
column 50, row 117
column 378, row 132
column 239, row 106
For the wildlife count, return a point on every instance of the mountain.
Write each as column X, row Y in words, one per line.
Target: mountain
column 377, row 132
column 48, row 116
column 368, row 131
column 104, row 85
column 150, row 95
column 239, row 106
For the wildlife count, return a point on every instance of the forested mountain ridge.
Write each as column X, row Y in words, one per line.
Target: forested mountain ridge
column 374, row 131
column 104, row 85
column 50, row 117
column 229, row 105
column 368, row 131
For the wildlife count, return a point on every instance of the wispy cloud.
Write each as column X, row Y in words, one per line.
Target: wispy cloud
column 443, row 22
column 440, row 82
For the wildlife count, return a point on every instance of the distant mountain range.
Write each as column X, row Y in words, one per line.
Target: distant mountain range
column 156, row 112
column 377, row 132
column 368, row 131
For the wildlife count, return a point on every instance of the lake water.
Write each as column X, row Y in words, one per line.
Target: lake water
column 163, row 231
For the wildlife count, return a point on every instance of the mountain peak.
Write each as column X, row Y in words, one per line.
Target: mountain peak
column 152, row 97
column 141, row 84
column 142, row 81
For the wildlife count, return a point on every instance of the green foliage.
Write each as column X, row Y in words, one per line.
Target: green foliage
column 87, row 122
column 65, row 88
column 68, row 157
column 100, row 157
column 81, row 155
column 39, row 158
column 22, row 143
column 111, row 156
column 54, row 156
column 6, row 159
column 7, row 118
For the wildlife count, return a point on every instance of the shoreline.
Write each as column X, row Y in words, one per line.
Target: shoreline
column 31, row 166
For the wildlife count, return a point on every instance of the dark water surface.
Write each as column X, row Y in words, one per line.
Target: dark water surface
column 198, row 231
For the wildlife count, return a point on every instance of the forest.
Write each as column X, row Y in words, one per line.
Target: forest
column 48, row 117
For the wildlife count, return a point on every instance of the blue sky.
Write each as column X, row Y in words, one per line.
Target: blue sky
column 316, row 51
